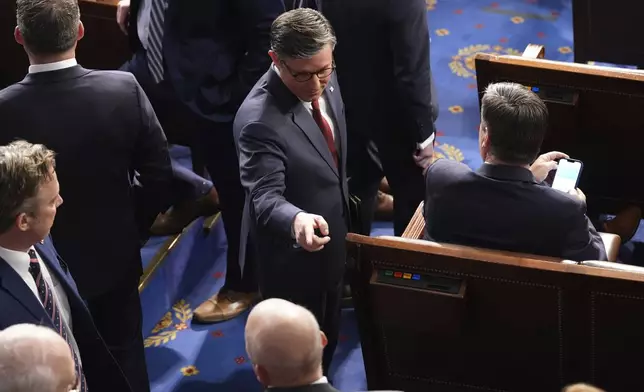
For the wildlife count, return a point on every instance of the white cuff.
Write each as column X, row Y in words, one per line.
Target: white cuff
column 423, row 145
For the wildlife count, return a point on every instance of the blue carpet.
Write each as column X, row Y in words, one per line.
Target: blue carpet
column 183, row 356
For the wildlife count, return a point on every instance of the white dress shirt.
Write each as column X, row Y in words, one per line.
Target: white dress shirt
column 143, row 22
column 19, row 261
column 55, row 66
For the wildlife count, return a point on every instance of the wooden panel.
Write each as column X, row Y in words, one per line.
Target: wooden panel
column 608, row 31
column 542, row 324
column 103, row 47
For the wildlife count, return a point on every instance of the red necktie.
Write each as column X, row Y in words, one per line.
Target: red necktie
column 326, row 129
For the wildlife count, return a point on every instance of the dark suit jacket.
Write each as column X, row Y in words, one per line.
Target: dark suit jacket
column 20, row 305
column 502, row 207
column 214, row 50
column 325, row 387
column 387, row 41
column 286, row 167
column 102, row 128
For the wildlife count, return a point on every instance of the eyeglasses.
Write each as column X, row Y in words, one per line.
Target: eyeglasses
column 306, row 76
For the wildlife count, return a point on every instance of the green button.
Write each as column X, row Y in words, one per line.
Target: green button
column 389, row 273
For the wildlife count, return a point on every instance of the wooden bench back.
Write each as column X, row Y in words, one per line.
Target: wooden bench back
column 435, row 317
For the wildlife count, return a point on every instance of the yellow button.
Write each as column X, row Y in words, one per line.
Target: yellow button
column 407, row 276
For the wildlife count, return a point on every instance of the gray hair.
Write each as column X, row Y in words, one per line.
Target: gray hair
column 29, row 358
column 24, row 167
column 301, row 34
column 48, row 26
column 516, row 120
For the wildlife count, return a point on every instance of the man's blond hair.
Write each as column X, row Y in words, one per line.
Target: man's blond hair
column 24, row 167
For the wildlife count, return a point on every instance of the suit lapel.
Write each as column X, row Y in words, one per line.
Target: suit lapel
column 16, row 287
column 305, row 122
column 288, row 102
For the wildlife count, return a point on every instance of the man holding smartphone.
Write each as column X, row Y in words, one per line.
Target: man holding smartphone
column 505, row 205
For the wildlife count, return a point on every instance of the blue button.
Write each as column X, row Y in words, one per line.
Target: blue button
column 415, row 277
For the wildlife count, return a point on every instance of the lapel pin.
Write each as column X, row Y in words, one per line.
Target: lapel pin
column 42, row 242
column 331, row 88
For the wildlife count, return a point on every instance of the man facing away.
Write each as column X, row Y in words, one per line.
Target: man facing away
column 201, row 58
column 291, row 137
column 104, row 130
column 36, row 286
column 504, row 205
column 285, row 344
column 34, row 358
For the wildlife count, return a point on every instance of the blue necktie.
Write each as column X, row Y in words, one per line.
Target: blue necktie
column 51, row 307
column 155, row 39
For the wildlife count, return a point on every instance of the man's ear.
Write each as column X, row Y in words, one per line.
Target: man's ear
column 323, row 339
column 17, row 35
column 81, row 31
column 23, row 221
column 273, row 55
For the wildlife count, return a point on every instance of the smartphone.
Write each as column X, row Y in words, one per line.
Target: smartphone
column 567, row 175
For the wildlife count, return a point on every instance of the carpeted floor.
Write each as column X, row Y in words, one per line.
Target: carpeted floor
column 183, row 356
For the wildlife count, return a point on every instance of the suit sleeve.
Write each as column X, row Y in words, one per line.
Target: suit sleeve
column 257, row 18
column 409, row 42
column 151, row 160
column 582, row 241
column 262, row 163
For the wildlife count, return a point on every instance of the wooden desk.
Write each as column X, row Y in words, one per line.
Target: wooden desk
column 103, row 47
column 608, row 31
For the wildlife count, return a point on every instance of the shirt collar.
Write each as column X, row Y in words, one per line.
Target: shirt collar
column 55, row 66
column 321, row 380
column 19, row 261
column 506, row 173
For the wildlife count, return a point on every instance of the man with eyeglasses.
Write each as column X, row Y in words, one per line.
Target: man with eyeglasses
column 291, row 139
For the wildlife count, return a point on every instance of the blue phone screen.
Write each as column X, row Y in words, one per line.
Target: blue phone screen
column 567, row 175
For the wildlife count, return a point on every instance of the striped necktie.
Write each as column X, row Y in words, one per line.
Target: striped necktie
column 51, row 308
column 155, row 39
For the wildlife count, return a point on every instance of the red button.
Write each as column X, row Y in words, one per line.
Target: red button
column 398, row 275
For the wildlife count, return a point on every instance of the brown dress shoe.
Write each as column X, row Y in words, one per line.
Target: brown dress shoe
column 385, row 206
column 224, row 306
column 625, row 223
column 180, row 216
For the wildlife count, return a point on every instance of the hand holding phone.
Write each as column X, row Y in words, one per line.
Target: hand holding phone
column 567, row 175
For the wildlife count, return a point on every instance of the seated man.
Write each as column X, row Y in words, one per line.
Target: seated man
column 504, row 205
column 25, row 347
column 285, row 344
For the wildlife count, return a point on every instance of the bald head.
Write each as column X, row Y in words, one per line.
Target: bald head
column 284, row 340
column 35, row 359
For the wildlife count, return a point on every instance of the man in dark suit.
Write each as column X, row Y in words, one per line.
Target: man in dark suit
column 291, row 137
column 383, row 68
column 203, row 57
column 285, row 345
column 104, row 130
column 35, row 284
column 505, row 205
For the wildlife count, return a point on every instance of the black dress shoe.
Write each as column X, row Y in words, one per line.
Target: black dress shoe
column 347, row 299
